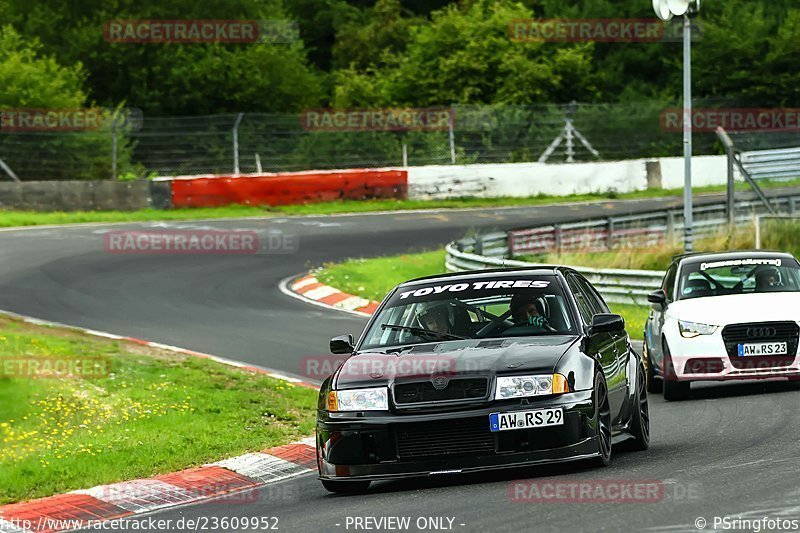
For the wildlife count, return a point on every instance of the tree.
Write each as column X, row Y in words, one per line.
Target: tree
column 34, row 81
column 173, row 78
column 465, row 55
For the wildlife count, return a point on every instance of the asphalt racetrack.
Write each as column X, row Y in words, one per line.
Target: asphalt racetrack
column 731, row 450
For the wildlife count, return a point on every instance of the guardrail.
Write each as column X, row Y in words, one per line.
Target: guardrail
column 642, row 230
column 782, row 163
column 616, row 285
column 498, row 250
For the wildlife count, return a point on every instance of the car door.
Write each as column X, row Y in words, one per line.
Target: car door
column 655, row 319
column 604, row 346
column 618, row 383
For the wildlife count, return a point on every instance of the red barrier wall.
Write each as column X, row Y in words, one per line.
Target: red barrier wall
column 289, row 188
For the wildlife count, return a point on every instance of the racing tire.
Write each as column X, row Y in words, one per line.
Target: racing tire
column 674, row 390
column 345, row 487
column 602, row 422
column 640, row 419
column 654, row 385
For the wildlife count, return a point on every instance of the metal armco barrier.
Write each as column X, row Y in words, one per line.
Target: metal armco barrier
column 635, row 231
column 497, row 250
column 618, row 286
column 772, row 164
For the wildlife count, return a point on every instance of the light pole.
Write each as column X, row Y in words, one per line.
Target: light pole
column 665, row 10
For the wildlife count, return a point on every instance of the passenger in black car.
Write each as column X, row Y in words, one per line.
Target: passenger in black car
column 528, row 311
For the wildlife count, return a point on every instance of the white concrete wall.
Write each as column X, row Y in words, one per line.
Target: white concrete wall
column 530, row 179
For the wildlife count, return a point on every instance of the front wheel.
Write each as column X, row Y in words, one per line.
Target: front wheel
column 345, row 487
column 602, row 422
column 674, row 390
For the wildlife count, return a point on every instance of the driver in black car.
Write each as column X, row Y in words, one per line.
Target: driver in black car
column 436, row 318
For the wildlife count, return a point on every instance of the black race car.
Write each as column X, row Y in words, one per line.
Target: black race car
column 481, row 370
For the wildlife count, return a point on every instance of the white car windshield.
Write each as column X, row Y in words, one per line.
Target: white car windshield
column 479, row 308
column 738, row 276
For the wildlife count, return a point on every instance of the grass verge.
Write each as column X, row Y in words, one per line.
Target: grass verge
column 374, row 278
column 31, row 218
column 150, row 412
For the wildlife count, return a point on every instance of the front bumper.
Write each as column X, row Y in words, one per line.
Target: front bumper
column 705, row 358
column 398, row 445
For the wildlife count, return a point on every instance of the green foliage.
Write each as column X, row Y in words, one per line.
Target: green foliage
column 171, row 78
column 32, row 80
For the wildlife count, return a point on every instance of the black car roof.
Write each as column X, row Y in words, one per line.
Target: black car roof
column 731, row 255
column 540, row 270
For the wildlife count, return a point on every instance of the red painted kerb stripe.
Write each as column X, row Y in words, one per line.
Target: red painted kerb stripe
column 289, row 188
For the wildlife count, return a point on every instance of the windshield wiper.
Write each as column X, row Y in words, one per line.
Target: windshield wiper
column 422, row 331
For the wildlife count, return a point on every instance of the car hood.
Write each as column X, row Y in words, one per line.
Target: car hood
column 738, row 308
column 453, row 358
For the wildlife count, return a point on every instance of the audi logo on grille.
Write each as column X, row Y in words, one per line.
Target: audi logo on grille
column 761, row 332
column 440, row 382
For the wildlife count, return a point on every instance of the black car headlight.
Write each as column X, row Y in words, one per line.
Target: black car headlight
column 376, row 399
column 510, row 387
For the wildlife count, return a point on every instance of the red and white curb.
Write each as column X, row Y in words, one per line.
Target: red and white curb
column 311, row 290
column 232, row 478
column 77, row 509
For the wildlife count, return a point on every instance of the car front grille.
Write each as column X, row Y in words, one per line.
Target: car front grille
column 468, row 436
column 422, row 392
column 736, row 334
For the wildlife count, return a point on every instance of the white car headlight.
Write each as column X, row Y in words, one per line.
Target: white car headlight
column 693, row 329
column 509, row 387
column 359, row 400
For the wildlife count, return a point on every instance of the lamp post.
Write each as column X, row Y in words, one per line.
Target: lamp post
column 665, row 10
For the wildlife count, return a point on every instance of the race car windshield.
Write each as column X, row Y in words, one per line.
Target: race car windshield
column 738, row 276
column 483, row 308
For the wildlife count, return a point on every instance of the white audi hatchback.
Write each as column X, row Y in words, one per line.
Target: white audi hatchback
column 723, row 316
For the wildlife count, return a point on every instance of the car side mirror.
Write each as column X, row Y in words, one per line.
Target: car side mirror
column 658, row 297
column 606, row 323
column 343, row 344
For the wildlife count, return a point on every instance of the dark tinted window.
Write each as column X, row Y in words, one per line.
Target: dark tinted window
column 585, row 306
column 596, row 301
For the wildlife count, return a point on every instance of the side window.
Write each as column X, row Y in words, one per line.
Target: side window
column 595, row 300
column 584, row 307
column 669, row 282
